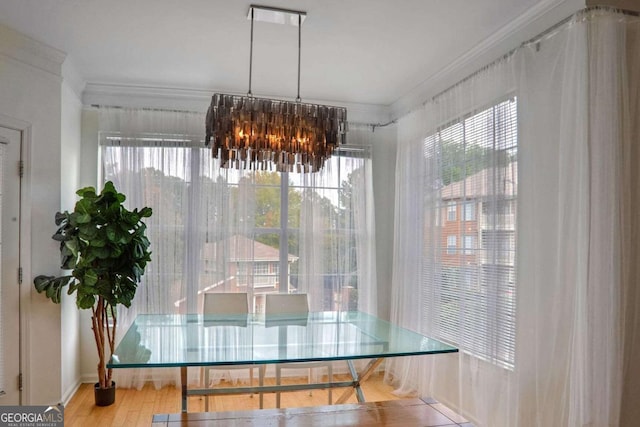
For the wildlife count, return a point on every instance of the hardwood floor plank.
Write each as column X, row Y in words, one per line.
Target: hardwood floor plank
column 136, row 407
column 409, row 413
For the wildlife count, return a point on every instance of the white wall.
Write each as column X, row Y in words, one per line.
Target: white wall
column 384, row 177
column 30, row 92
column 88, row 177
column 71, row 113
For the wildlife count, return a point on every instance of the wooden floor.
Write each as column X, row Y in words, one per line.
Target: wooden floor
column 136, row 408
column 389, row 413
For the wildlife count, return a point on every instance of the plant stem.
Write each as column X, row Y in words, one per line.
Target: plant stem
column 98, row 333
column 111, row 335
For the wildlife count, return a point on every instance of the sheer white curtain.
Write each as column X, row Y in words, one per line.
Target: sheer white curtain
column 575, row 239
column 406, row 301
column 575, row 330
column 362, row 218
column 224, row 230
column 455, row 181
column 157, row 159
column 337, row 236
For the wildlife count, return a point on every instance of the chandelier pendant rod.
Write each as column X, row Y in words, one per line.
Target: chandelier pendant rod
column 249, row 94
column 298, row 99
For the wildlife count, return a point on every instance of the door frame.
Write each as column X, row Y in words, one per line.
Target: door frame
column 24, row 239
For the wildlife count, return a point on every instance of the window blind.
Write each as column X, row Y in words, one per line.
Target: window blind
column 471, row 301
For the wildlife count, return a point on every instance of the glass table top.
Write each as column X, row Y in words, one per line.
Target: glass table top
column 198, row 340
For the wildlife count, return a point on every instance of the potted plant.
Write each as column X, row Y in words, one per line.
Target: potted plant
column 105, row 246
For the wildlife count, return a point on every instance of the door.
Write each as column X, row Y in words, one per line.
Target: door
column 10, row 141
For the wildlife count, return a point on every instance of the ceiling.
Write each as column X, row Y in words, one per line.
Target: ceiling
column 353, row 51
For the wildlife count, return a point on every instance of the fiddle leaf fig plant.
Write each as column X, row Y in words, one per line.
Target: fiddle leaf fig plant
column 105, row 247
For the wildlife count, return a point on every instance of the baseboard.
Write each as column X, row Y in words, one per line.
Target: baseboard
column 67, row 395
column 89, row 378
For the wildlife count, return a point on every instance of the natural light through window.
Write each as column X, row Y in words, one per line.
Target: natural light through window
column 476, row 279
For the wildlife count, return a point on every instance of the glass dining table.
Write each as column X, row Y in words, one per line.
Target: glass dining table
column 196, row 340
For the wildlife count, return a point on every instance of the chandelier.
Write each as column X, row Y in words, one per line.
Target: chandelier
column 247, row 132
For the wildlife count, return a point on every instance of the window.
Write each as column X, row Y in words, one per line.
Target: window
column 451, row 244
column 469, row 211
column 451, row 211
column 471, row 296
column 470, row 244
column 226, row 230
column 261, row 268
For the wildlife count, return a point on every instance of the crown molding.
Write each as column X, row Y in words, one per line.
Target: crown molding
column 72, row 77
column 26, row 50
column 535, row 20
column 121, row 95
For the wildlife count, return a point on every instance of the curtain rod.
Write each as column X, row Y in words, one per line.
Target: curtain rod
column 373, row 126
column 534, row 40
column 122, row 107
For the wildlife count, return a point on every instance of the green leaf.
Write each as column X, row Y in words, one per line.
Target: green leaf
column 73, row 287
column 132, row 218
column 145, row 212
column 83, row 207
column 61, row 217
column 90, row 278
column 87, row 192
column 41, row 282
column 67, row 262
column 72, row 246
column 125, row 239
column 112, row 232
column 59, row 237
column 51, row 286
column 87, row 231
column 50, row 292
column 97, row 243
column 102, row 252
column 83, row 218
column 116, row 251
column 108, row 188
column 85, row 301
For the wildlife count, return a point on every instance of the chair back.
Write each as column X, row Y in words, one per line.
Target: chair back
column 286, row 304
column 225, row 303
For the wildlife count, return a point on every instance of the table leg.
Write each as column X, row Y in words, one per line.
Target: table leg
column 183, row 387
column 358, row 379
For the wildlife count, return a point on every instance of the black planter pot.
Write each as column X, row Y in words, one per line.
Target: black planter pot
column 105, row 396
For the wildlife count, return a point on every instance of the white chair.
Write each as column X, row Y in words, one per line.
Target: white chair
column 221, row 304
column 294, row 307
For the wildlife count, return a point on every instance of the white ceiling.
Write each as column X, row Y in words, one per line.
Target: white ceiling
column 353, row 51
